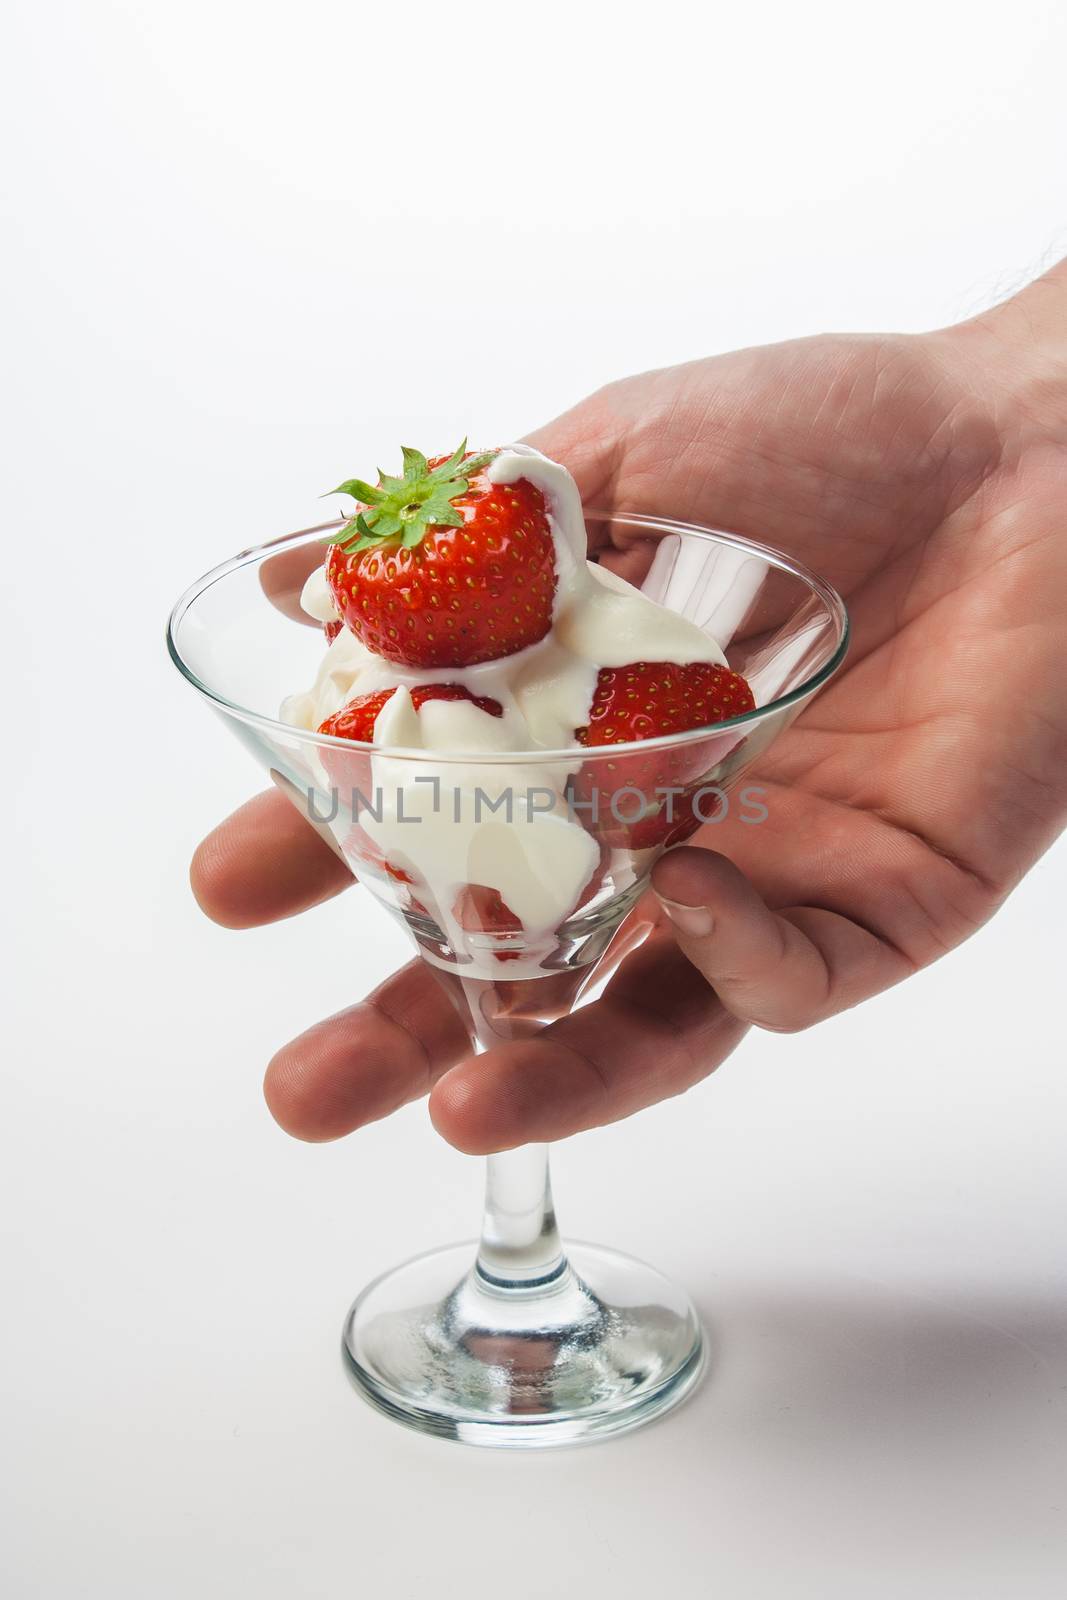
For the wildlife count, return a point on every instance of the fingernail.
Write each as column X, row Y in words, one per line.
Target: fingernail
column 694, row 921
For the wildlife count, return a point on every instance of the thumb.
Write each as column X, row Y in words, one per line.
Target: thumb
column 778, row 970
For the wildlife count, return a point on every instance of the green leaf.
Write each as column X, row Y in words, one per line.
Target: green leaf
column 405, row 508
column 353, row 539
column 442, row 473
column 358, row 490
column 447, row 471
column 415, row 463
column 446, row 517
column 442, row 498
column 387, row 525
column 449, row 491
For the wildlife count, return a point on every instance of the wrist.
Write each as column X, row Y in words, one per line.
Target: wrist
column 1015, row 356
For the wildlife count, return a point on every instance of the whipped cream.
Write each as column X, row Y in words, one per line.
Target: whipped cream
column 538, row 859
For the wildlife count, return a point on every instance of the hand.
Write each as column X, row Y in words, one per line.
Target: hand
column 925, row 477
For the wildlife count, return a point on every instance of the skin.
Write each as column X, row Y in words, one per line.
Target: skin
column 926, row 477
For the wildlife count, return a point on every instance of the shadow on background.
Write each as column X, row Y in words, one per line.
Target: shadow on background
column 931, row 1377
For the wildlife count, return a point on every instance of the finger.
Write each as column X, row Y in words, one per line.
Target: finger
column 656, row 1031
column 781, row 971
column 588, row 440
column 282, row 576
column 366, row 1061
column 263, row 863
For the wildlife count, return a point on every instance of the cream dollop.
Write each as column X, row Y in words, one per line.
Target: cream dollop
column 316, row 597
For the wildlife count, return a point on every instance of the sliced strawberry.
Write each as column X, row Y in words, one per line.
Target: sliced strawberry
column 480, row 909
column 350, row 771
column 369, row 854
column 443, row 568
column 356, row 720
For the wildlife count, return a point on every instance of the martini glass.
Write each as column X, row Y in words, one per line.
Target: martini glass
column 516, row 875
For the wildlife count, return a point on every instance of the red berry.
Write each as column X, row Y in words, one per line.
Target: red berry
column 359, row 843
column 349, row 771
column 479, row 909
column 331, row 630
column 651, row 700
column 356, row 720
column 372, row 862
column 442, row 568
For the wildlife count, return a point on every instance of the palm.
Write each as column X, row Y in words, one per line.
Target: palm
column 920, row 785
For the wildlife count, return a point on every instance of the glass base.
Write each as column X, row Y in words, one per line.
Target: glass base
column 606, row 1345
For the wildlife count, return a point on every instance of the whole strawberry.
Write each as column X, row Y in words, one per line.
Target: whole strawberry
column 652, row 700
column 442, row 568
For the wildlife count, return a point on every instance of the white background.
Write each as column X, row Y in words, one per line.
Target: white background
column 248, row 248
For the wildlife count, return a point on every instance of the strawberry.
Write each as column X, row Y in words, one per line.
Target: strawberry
column 356, row 720
column 651, row 700
column 479, row 909
column 331, row 630
column 442, row 568
column 350, row 771
column 373, row 863
column 359, row 843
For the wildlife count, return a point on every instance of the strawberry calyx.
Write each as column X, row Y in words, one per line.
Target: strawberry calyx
column 403, row 510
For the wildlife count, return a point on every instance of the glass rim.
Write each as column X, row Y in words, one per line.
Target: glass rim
column 833, row 602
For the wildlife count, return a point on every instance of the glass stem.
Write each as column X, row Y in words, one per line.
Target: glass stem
column 520, row 1246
